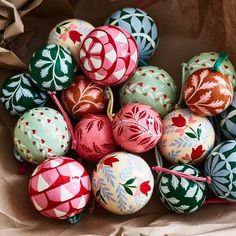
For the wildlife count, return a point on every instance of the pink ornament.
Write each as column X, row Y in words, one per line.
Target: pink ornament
column 108, row 55
column 94, row 137
column 137, row 127
column 59, row 188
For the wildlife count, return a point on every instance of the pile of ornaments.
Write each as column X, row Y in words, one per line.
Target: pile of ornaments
column 81, row 63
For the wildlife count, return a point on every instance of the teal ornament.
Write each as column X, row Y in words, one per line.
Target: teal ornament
column 179, row 194
column 208, row 60
column 142, row 27
column 18, row 94
column 152, row 86
column 227, row 120
column 52, row 68
column 41, row 133
column 220, row 165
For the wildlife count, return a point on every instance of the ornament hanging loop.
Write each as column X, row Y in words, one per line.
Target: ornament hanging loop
column 222, row 57
column 142, row 62
column 110, row 105
column 75, row 219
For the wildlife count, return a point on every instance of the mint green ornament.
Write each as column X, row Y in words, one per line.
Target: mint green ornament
column 52, row 67
column 152, row 86
column 179, row 194
column 41, row 133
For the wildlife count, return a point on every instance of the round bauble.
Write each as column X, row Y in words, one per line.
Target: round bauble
column 94, row 137
column 84, row 97
column 52, row 68
column 122, row 183
column 207, row 60
column 69, row 34
column 227, row 120
column 179, row 194
column 59, row 188
column 187, row 137
column 108, row 55
column 152, row 86
column 41, row 133
column 208, row 93
column 137, row 127
column 139, row 24
column 18, row 94
column 220, row 165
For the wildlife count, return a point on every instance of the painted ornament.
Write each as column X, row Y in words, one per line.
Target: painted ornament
column 187, row 138
column 108, row 55
column 94, row 137
column 52, row 68
column 207, row 60
column 84, row 97
column 152, row 86
column 41, row 133
column 122, row 183
column 140, row 25
column 59, row 188
column 179, row 194
column 227, row 120
column 18, row 94
column 220, row 165
column 208, row 93
column 137, row 128
column 69, row 34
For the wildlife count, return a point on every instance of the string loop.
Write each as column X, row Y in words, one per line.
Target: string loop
column 222, row 57
column 110, row 105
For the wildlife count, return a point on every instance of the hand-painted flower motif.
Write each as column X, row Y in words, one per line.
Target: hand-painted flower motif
column 179, row 121
column 197, row 152
column 145, row 187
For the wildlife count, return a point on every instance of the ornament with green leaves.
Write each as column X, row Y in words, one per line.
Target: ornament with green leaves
column 52, row 68
column 18, row 94
column 183, row 192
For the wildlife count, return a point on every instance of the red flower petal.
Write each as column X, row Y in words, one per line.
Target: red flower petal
column 196, row 153
column 179, row 121
column 110, row 160
column 145, row 187
column 75, row 36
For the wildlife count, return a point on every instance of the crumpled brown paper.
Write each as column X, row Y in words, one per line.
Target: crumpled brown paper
column 187, row 27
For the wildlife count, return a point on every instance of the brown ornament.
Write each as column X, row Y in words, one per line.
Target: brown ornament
column 207, row 92
column 84, row 97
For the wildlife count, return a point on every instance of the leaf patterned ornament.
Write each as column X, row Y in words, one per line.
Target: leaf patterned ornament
column 208, row 93
column 179, row 194
column 52, row 68
column 18, row 94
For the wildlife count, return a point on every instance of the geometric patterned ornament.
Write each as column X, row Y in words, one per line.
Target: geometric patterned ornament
column 18, row 94
column 179, row 194
column 108, row 55
column 122, row 183
column 227, row 120
column 41, row 133
column 52, row 67
column 220, row 165
column 59, row 188
column 141, row 26
column 69, row 34
column 152, row 86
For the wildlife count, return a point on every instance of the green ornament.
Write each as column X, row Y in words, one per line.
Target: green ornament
column 220, row 165
column 41, row 133
column 52, row 68
column 18, row 94
column 152, row 86
column 179, row 194
column 207, row 60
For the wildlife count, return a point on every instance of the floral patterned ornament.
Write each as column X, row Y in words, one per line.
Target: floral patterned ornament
column 41, row 133
column 187, row 137
column 220, row 165
column 69, row 34
column 137, row 127
column 84, row 97
column 108, row 55
column 152, row 86
column 179, row 194
column 52, row 68
column 59, row 188
column 141, row 26
column 18, row 94
column 122, row 183
column 208, row 93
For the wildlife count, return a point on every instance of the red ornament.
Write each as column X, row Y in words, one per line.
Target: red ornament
column 108, row 55
column 94, row 137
